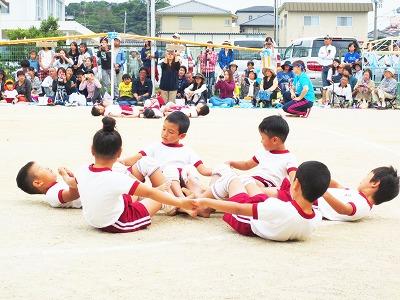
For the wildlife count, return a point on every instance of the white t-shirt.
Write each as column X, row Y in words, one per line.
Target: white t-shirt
column 101, row 191
column 10, row 94
column 278, row 220
column 274, row 166
column 188, row 110
column 341, row 91
column 54, row 197
column 361, row 206
column 47, row 57
column 176, row 155
column 47, row 82
column 326, row 55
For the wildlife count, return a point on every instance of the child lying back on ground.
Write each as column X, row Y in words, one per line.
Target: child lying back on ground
column 35, row 179
column 150, row 110
column 201, row 109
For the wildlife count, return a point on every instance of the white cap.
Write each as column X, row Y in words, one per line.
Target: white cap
column 391, row 70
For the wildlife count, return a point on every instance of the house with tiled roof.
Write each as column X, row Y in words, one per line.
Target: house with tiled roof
column 247, row 14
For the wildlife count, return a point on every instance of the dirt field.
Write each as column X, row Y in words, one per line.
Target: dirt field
column 48, row 253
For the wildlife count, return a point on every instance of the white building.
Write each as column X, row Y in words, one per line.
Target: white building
column 27, row 13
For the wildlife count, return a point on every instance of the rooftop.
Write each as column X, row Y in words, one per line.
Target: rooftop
column 257, row 9
column 264, row 20
column 324, row 6
column 193, row 7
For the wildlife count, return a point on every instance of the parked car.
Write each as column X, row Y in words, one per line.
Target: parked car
column 306, row 49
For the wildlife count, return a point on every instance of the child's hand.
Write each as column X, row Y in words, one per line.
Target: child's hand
column 188, row 203
column 229, row 163
column 201, row 203
column 68, row 177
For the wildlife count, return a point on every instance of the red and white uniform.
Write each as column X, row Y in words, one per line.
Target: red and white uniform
column 106, row 200
column 54, row 196
column 188, row 110
column 273, row 166
column 361, row 206
column 117, row 110
column 9, row 96
column 154, row 105
column 273, row 219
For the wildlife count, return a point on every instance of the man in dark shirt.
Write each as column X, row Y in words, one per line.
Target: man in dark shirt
column 104, row 55
column 142, row 87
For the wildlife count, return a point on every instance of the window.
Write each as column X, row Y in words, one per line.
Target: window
column 344, row 21
column 250, row 17
column 4, row 7
column 50, row 8
column 311, row 20
column 59, row 9
column 227, row 22
column 39, row 10
column 185, row 23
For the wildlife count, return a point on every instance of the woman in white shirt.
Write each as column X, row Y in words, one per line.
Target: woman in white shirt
column 197, row 91
column 46, row 60
column 62, row 60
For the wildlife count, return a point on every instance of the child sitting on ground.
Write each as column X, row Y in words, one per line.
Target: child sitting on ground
column 201, row 109
column 342, row 204
column 107, row 196
column 10, row 93
column 125, row 91
column 178, row 162
column 274, row 162
column 249, row 212
column 35, row 179
column 197, row 92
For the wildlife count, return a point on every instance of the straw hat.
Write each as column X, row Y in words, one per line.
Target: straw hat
column 264, row 70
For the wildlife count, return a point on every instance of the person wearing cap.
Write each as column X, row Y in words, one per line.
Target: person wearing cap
column 104, row 56
column 250, row 87
column 225, row 56
column 387, row 89
column 134, row 63
column 326, row 55
column 197, row 92
column 285, row 77
column 302, row 92
column 9, row 94
column 268, row 87
column 208, row 60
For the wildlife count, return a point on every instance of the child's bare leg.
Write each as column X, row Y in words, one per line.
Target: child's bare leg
column 152, row 206
column 236, row 187
column 157, row 178
column 194, row 185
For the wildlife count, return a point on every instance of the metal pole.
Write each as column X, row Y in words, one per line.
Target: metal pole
column 276, row 36
column 376, row 20
column 153, row 43
column 125, row 23
column 112, row 67
column 148, row 18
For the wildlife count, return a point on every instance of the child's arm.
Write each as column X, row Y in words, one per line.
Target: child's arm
column 340, row 207
column 335, row 185
column 243, row 165
column 226, row 206
column 292, row 175
column 72, row 193
column 130, row 161
column 203, row 170
column 146, row 191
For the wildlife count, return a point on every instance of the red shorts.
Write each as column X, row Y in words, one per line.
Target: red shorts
column 241, row 224
column 134, row 217
column 265, row 182
column 284, row 191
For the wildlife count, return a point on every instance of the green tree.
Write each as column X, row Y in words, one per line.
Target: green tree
column 48, row 28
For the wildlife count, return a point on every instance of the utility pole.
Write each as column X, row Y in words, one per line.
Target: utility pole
column 377, row 3
column 148, row 17
column 276, row 32
column 153, row 43
column 125, row 23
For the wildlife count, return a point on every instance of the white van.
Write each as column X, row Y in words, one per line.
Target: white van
column 306, row 49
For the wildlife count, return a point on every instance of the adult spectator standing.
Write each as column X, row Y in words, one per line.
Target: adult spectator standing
column 225, row 57
column 74, row 55
column 104, row 55
column 169, row 77
column 119, row 59
column 142, row 86
column 46, row 60
column 269, row 56
column 208, row 60
column 147, row 56
column 326, row 55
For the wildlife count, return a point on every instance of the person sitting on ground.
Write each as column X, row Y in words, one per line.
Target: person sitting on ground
column 197, row 91
column 358, row 70
column 192, row 111
column 250, row 67
column 250, row 87
column 339, row 73
column 347, row 71
column 93, row 86
column 302, row 92
column 387, row 89
column 88, row 65
column 333, row 72
column 36, row 84
column 189, row 78
column 33, row 179
column 226, row 86
column 47, row 83
column 24, row 68
column 268, row 87
column 125, row 91
column 79, row 78
column 285, row 77
column 142, row 87
column 353, row 55
column 9, row 95
column 362, row 93
column 24, row 88
column 342, row 204
column 62, row 60
column 182, row 83
column 234, row 69
column 61, row 88
column 341, row 90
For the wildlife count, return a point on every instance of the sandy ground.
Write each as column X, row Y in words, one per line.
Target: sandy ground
column 50, row 253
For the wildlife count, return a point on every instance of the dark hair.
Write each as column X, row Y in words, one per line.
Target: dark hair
column 107, row 141
column 204, row 110
column 95, row 111
column 32, row 51
column 2, row 72
column 126, row 76
column 84, row 45
column 180, row 119
column 148, row 113
column 61, row 69
column 348, row 69
column 275, row 126
column 230, row 73
column 252, row 71
column 314, row 178
column 183, row 67
column 76, row 49
column 269, row 39
column 62, row 60
column 388, row 184
column 355, row 46
column 25, row 179
column 89, row 72
column 143, row 69
column 19, row 73
column 333, row 67
column 250, row 63
column 369, row 72
column 79, row 72
column 299, row 63
column 24, row 63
